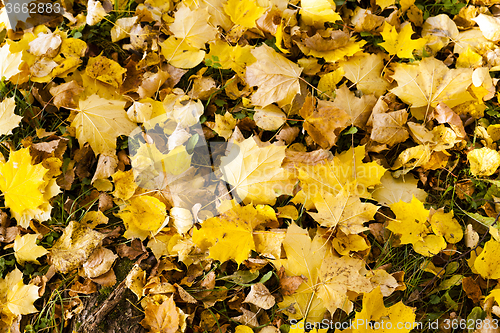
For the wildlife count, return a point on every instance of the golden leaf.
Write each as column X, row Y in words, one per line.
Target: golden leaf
column 25, row 249
column 244, row 12
column 143, row 217
column 343, row 211
column 365, row 71
column 401, row 43
column 255, row 172
column 230, row 235
column 99, row 122
column 8, row 119
column 428, row 82
column 276, row 77
column 21, row 182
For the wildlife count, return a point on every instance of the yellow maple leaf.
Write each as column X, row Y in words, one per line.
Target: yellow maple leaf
column 412, row 225
column 411, row 219
column 143, row 217
column 230, row 235
column 365, row 71
column 21, row 182
column 231, row 57
column 392, row 190
column 484, row 161
column 343, row 211
column 400, row 43
column 428, row 82
column 224, row 125
column 276, row 77
column 328, row 278
column 9, row 120
column 345, row 171
column 390, row 128
column 375, row 317
column 105, row 70
column 16, row 298
column 317, row 12
column 99, row 122
column 359, row 109
column 25, row 249
column 344, row 244
column 256, row 173
column 244, row 12
column 469, row 58
column 443, row 224
column 192, row 27
column 10, row 62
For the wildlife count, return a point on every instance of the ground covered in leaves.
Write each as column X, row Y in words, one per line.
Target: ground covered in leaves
column 250, row 166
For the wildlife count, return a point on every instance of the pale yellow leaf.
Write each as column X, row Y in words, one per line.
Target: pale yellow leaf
column 25, row 249
column 276, row 77
column 99, row 122
column 8, row 119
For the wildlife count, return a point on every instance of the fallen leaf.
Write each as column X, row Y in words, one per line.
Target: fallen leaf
column 26, row 249
column 244, row 13
column 428, row 82
column 260, row 296
column 365, row 71
column 276, row 77
column 99, row 122
column 144, row 216
column 486, row 264
column 343, row 211
column 401, row 43
column 483, row 161
column 16, row 297
column 21, row 182
column 230, row 235
column 9, row 120
column 323, row 122
column 255, row 172
column 161, row 318
column 389, row 128
column 74, row 247
column 392, row 190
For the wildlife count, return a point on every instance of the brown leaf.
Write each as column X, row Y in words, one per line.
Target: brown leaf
column 327, row 40
column 324, row 122
column 247, row 318
column 185, row 296
column 135, row 249
column 98, row 263
column 161, row 318
column 66, row 94
column 289, row 284
column 260, row 296
column 87, row 287
column 389, row 127
column 472, row 289
column 444, row 114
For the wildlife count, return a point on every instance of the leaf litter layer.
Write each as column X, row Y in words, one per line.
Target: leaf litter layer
column 249, row 165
